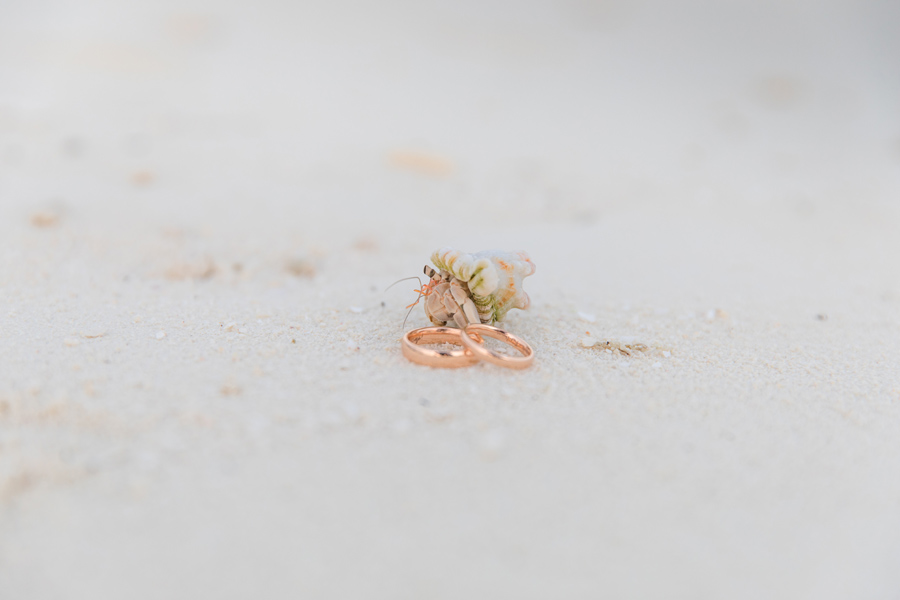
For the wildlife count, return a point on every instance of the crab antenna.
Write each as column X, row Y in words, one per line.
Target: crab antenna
column 413, row 305
column 404, row 279
column 409, row 312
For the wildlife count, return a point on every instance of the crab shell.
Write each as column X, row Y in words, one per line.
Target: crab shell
column 494, row 278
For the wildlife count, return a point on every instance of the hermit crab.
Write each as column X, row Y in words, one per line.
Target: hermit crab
column 474, row 288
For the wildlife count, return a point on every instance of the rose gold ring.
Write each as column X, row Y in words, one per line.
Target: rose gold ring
column 510, row 362
column 436, row 358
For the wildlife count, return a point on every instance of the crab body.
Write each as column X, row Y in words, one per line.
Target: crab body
column 473, row 288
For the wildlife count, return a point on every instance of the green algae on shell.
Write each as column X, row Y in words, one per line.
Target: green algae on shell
column 494, row 278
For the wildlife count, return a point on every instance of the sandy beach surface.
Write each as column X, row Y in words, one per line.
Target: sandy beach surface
column 202, row 393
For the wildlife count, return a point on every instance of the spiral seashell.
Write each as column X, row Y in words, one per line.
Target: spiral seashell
column 494, row 278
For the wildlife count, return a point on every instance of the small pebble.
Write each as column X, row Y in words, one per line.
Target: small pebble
column 492, row 443
column 588, row 342
column 356, row 309
column 301, row 267
column 230, row 389
column 160, row 335
column 667, row 354
column 142, row 178
column 45, row 218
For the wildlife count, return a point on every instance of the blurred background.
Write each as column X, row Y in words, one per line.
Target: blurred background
column 337, row 123
column 409, row 113
column 718, row 178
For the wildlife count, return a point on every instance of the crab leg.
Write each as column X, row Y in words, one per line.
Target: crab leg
column 452, row 308
column 471, row 311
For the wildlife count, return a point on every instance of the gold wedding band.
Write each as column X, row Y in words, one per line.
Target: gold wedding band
column 437, row 358
column 480, row 352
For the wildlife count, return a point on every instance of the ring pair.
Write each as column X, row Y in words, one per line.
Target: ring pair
column 473, row 349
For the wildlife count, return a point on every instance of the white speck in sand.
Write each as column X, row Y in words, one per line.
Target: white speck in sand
column 718, row 313
column 70, row 342
column 356, row 309
column 243, row 330
column 667, row 354
column 147, row 460
column 331, row 419
column 586, row 317
column 258, row 425
column 492, row 444
column 160, row 335
column 352, row 412
column 588, row 342
column 494, row 439
column 402, row 426
column 352, row 345
column 230, row 326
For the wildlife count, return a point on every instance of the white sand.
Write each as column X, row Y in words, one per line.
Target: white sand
column 202, row 394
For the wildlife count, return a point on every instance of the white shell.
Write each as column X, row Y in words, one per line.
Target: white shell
column 494, row 278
